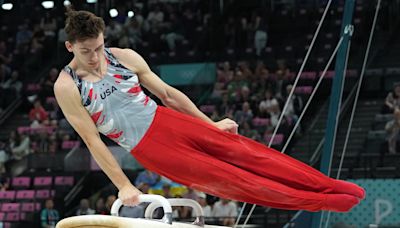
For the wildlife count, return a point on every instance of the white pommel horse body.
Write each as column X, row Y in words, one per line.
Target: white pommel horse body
column 156, row 201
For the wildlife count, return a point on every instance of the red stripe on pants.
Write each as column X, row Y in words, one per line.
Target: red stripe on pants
column 191, row 152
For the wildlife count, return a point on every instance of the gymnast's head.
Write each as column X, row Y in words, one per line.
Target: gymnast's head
column 85, row 37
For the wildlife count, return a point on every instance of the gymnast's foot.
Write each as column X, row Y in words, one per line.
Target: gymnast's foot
column 340, row 202
column 346, row 187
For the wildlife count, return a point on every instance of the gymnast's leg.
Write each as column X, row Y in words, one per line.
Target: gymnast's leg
column 193, row 168
column 172, row 148
column 251, row 156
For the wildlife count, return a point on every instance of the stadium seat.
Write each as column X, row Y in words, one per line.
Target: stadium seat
column 42, row 182
column 21, row 182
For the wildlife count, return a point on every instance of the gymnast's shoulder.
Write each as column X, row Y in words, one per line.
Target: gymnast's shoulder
column 130, row 58
column 64, row 84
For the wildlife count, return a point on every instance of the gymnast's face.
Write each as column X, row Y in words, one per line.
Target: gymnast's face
column 89, row 53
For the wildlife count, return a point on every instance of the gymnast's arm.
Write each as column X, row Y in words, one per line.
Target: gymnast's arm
column 169, row 96
column 68, row 98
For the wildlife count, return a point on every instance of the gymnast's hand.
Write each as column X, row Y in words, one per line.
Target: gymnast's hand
column 129, row 195
column 227, row 125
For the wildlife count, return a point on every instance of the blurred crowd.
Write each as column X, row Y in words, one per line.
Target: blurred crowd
column 254, row 97
column 182, row 26
column 46, row 131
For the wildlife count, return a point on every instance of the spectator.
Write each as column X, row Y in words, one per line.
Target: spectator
column 282, row 67
column 4, row 75
column 53, row 144
column 124, row 40
column 249, row 132
column 392, row 100
column 113, row 32
column 260, row 35
column 155, row 17
column 43, row 142
column 262, row 78
column 10, row 90
column 230, row 32
column 100, row 207
column 295, row 105
column 61, row 38
column 64, row 129
column 134, row 32
column 37, row 41
column 20, row 55
column 84, row 208
column 3, row 158
column 55, row 114
column 38, row 114
column 5, row 54
column 201, row 199
column 167, row 191
column 234, row 86
column 217, row 92
column 144, row 188
column 268, row 102
column 393, row 129
column 244, row 115
column 48, row 24
column 262, row 112
column 181, row 212
column 215, row 115
column 247, row 73
column 109, row 202
column 5, row 71
column 225, row 105
column 13, row 139
column 244, row 95
column 148, row 177
column 4, row 184
column 282, row 79
column 190, row 24
column 275, row 113
column 48, row 84
column 242, row 34
column 23, row 35
column 49, row 216
column 225, row 211
column 190, row 194
column 224, row 73
column 22, row 147
column 174, row 32
column 14, row 84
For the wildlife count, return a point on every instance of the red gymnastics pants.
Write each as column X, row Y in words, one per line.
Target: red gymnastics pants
column 194, row 153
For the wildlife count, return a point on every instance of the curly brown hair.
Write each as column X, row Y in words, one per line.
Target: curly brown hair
column 82, row 25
